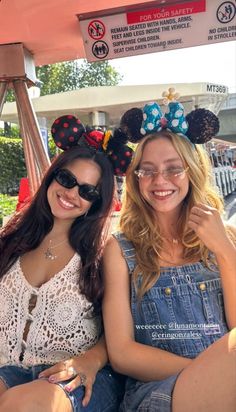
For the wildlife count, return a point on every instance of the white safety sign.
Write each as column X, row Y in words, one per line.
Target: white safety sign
column 156, row 29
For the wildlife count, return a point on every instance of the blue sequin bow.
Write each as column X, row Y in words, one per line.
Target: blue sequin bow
column 154, row 121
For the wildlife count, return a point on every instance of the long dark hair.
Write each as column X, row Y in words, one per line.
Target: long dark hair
column 87, row 234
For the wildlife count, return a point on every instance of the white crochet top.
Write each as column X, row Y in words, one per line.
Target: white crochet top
column 62, row 323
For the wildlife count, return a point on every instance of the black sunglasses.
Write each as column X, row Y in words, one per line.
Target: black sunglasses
column 66, row 179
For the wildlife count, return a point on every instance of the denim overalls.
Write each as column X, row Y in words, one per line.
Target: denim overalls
column 182, row 313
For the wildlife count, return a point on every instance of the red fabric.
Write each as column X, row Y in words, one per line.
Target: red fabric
column 117, row 206
column 24, row 193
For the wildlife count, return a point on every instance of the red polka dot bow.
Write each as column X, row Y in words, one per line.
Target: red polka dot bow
column 68, row 131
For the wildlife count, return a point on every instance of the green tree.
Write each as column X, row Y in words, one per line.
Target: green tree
column 97, row 74
column 61, row 77
column 56, row 78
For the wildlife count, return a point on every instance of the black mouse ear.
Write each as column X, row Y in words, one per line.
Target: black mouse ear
column 66, row 131
column 119, row 152
column 130, row 124
column 203, row 125
column 116, row 140
column 121, row 159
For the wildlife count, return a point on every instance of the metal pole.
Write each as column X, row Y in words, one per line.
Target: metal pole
column 31, row 123
column 3, row 92
column 31, row 167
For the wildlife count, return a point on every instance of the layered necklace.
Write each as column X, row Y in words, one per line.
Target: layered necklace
column 174, row 240
column 48, row 254
column 170, row 251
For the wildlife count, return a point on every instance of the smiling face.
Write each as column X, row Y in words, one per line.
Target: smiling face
column 67, row 204
column 163, row 194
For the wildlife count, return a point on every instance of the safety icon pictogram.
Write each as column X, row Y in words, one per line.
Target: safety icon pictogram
column 100, row 49
column 96, row 29
column 226, row 12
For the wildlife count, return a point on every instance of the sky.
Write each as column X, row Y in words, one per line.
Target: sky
column 214, row 63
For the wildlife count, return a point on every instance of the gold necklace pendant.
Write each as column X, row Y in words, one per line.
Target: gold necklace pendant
column 172, row 240
column 49, row 255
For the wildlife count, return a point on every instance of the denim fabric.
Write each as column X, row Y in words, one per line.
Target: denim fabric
column 183, row 313
column 106, row 395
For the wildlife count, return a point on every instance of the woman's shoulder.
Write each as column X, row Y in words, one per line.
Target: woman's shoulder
column 118, row 243
column 113, row 242
column 122, row 240
column 119, row 236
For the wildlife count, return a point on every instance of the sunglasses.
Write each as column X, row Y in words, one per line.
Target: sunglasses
column 66, row 179
column 171, row 174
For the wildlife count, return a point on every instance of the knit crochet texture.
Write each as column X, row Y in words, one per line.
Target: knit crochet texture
column 62, row 323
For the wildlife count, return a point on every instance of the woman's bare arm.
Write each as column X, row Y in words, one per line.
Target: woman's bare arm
column 127, row 356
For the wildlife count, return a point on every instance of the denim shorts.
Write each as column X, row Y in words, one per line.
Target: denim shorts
column 106, row 394
column 153, row 396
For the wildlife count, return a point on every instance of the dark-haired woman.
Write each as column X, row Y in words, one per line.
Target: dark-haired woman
column 52, row 353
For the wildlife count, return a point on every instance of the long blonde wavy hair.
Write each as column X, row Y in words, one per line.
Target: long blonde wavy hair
column 138, row 221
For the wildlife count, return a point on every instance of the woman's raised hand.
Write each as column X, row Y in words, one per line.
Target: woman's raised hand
column 208, row 225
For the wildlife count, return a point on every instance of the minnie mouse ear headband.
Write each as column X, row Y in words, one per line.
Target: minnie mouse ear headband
column 199, row 126
column 68, row 131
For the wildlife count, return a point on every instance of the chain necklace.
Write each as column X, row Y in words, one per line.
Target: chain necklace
column 172, row 262
column 48, row 254
column 174, row 242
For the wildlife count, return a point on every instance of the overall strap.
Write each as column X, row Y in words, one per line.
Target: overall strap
column 128, row 250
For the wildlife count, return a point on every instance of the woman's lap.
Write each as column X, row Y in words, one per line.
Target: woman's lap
column 159, row 396
column 214, row 390
column 153, row 396
column 106, row 395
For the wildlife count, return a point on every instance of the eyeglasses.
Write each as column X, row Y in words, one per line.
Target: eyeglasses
column 168, row 174
column 66, row 179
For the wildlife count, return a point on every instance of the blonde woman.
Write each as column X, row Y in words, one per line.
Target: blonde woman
column 170, row 274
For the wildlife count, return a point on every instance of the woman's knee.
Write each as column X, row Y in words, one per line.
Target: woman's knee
column 192, row 390
column 3, row 387
column 225, row 346
column 12, row 401
column 37, row 396
column 25, row 398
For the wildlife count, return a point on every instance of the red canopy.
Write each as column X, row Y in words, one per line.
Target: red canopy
column 49, row 29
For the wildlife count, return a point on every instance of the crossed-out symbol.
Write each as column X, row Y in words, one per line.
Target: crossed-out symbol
column 226, row 12
column 96, row 29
